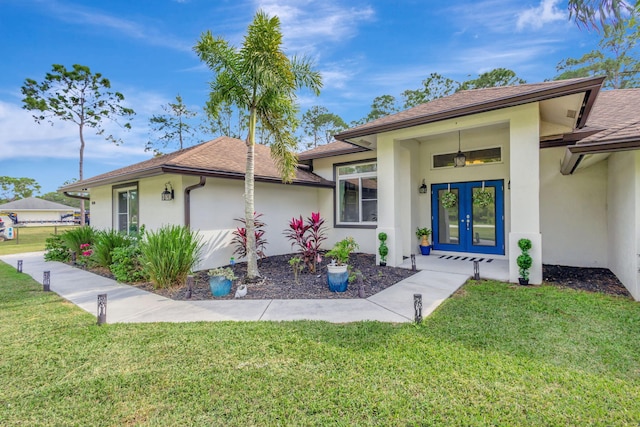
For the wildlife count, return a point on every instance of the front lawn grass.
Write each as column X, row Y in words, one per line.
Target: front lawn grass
column 493, row 354
column 30, row 239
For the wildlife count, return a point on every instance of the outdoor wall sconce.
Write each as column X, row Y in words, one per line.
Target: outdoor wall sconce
column 460, row 160
column 167, row 195
column 423, row 188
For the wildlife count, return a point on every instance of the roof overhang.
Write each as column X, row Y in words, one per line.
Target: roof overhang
column 575, row 153
column 84, row 186
column 590, row 87
column 353, row 149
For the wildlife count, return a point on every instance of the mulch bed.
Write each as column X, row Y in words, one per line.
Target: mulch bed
column 586, row 279
column 278, row 280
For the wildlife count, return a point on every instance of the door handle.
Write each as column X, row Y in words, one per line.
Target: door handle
column 468, row 221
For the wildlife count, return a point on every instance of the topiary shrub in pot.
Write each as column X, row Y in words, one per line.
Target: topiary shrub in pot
column 524, row 261
column 383, row 250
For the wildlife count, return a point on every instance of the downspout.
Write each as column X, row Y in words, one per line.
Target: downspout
column 187, row 200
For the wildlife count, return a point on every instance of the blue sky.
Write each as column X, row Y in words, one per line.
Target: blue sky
column 362, row 48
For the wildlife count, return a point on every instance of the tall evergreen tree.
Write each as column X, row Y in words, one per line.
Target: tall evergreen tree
column 77, row 96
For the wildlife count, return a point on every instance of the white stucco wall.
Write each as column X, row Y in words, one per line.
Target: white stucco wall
column 101, row 207
column 524, row 172
column 154, row 212
column 573, row 212
column 215, row 206
column 624, row 218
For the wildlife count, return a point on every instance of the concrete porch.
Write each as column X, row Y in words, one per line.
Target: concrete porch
column 490, row 268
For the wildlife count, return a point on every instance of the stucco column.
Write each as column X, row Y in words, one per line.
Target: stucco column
column 392, row 200
column 524, row 168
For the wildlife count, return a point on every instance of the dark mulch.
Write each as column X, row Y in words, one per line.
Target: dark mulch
column 585, row 279
column 278, row 281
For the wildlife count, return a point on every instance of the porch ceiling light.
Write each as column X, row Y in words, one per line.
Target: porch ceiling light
column 167, row 195
column 460, row 160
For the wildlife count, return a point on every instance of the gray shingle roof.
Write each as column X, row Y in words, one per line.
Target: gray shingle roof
column 617, row 113
column 35, row 204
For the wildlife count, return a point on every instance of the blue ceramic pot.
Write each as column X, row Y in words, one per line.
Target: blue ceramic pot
column 337, row 278
column 425, row 250
column 220, row 286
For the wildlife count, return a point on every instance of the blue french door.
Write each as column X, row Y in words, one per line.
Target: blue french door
column 468, row 221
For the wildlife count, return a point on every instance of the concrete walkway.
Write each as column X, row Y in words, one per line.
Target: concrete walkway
column 128, row 304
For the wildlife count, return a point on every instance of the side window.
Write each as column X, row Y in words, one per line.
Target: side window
column 126, row 209
column 357, row 194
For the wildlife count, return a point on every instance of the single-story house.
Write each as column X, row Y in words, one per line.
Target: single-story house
column 36, row 211
column 559, row 159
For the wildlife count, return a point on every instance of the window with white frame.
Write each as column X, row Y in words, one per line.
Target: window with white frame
column 126, row 209
column 357, row 194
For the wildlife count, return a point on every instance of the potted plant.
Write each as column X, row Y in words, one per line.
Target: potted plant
column 337, row 271
column 383, row 250
column 423, row 234
column 220, row 280
column 524, row 261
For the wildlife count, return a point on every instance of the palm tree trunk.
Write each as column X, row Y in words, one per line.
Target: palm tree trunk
column 81, row 167
column 252, row 258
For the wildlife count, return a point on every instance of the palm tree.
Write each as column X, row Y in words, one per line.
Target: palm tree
column 589, row 12
column 260, row 79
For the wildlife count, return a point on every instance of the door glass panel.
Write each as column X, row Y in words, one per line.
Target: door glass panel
column 123, row 211
column 369, row 199
column 448, row 220
column 133, row 211
column 484, row 217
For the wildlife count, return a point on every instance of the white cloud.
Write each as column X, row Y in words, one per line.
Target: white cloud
column 23, row 138
column 308, row 24
column 96, row 19
column 536, row 17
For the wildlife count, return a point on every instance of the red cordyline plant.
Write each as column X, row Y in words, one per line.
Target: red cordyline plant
column 240, row 237
column 308, row 236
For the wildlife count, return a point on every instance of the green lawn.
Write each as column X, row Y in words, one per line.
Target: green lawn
column 30, row 239
column 494, row 354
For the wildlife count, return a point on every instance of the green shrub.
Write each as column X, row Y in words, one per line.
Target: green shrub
column 55, row 249
column 169, row 254
column 126, row 266
column 524, row 260
column 105, row 242
column 78, row 236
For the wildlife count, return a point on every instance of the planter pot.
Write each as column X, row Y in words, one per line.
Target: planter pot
column 337, row 278
column 425, row 250
column 220, row 286
column 383, row 264
column 523, row 282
